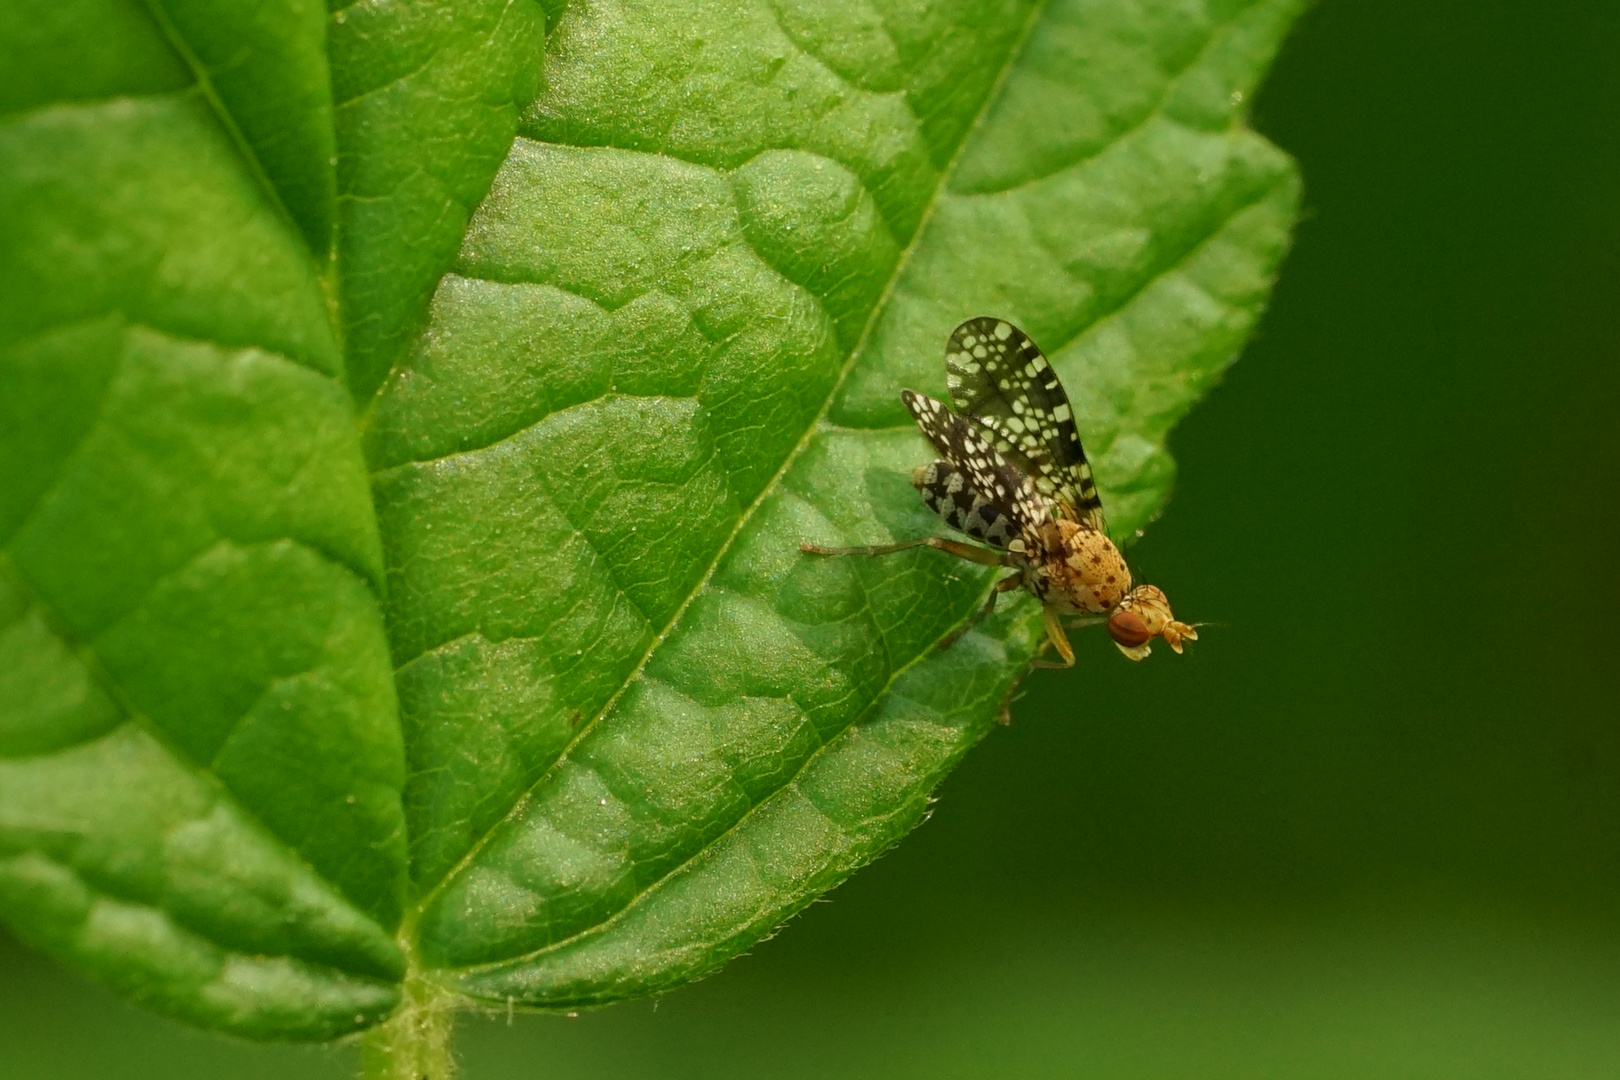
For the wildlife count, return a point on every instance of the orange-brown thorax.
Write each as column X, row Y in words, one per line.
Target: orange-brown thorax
column 1083, row 573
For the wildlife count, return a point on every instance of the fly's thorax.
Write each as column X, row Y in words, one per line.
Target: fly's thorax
column 1085, row 571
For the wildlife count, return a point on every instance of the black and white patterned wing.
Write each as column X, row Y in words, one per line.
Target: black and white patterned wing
column 998, row 376
column 964, row 445
column 946, row 491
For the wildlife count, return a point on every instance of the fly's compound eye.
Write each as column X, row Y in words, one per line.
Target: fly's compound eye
column 1127, row 628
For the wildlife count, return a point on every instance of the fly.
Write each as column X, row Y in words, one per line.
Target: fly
column 1012, row 475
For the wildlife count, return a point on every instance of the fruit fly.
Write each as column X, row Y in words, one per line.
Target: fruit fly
column 1013, row 475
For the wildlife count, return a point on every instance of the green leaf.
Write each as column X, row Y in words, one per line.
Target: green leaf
column 427, row 94
column 511, row 678
column 200, row 757
column 644, row 729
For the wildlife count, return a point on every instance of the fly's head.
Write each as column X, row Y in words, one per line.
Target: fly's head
column 1143, row 615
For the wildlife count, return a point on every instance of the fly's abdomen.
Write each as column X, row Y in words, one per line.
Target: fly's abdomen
column 946, row 491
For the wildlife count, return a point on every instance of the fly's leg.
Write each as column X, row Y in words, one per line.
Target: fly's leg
column 1006, row 584
column 983, row 556
column 1088, row 620
column 1060, row 640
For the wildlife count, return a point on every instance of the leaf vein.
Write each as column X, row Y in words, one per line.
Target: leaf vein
column 1124, row 133
column 205, row 89
column 87, row 655
column 787, row 787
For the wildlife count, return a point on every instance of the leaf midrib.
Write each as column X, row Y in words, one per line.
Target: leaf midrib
column 812, row 429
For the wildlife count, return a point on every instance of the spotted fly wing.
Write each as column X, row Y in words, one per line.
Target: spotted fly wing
column 998, row 376
column 989, row 476
column 946, row 491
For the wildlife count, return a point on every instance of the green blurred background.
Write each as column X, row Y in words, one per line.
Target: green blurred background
column 1369, row 827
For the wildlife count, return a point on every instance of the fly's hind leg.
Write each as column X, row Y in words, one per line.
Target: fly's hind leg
column 983, row 556
column 970, row 552
column 1006, row 584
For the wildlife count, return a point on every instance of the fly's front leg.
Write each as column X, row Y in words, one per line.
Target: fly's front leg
column 1086, row 620
column 1006, row 584
column 1059, row 640
column 983, row 556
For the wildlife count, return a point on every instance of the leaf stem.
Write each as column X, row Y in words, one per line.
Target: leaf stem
column 415, row 1043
